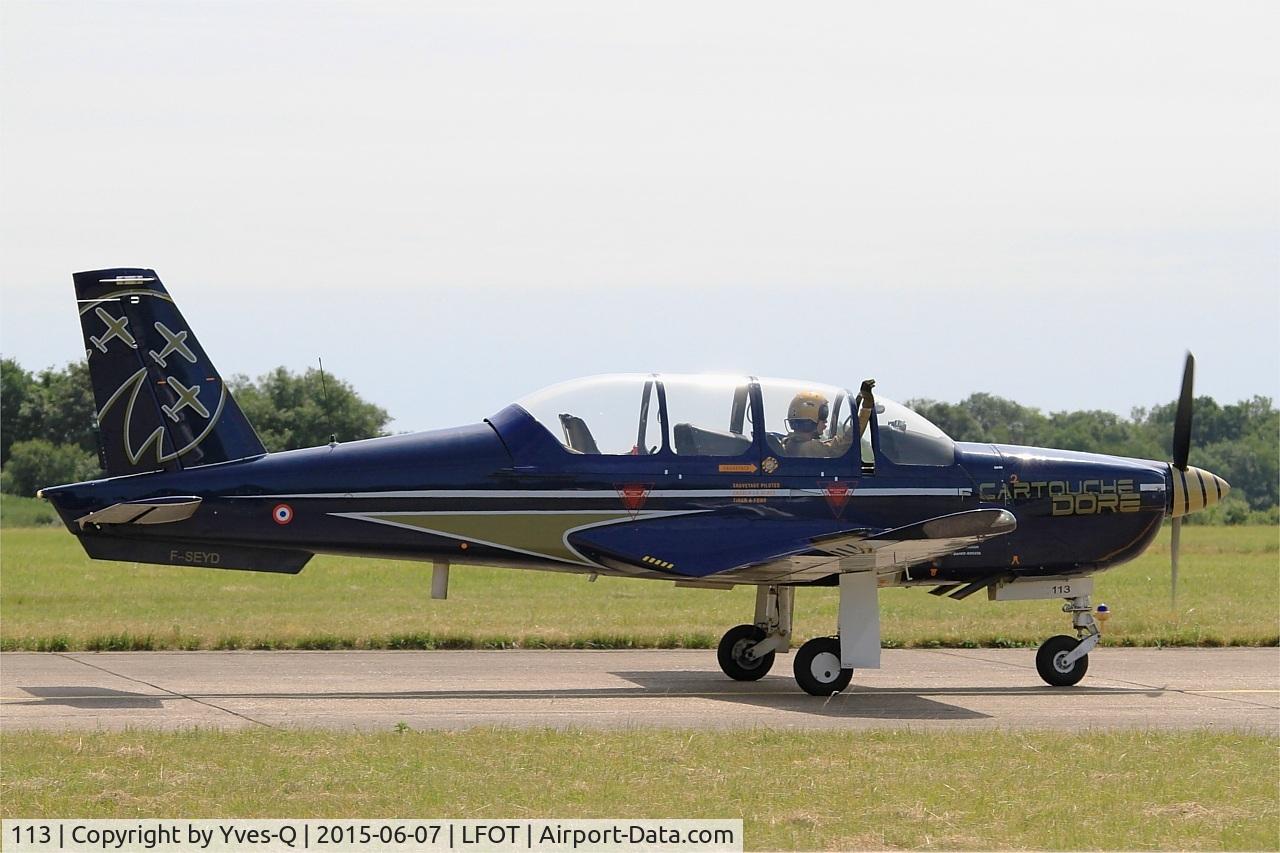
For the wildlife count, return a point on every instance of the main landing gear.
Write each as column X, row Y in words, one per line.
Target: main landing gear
column 817, row 667
column 747, row 652
column 1062, row 660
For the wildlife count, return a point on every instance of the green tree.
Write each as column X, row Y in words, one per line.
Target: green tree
column 37, row 463
column 17, row 393
column 289, row 410
column 56, row 405
column 985, row 417
column 67, row 413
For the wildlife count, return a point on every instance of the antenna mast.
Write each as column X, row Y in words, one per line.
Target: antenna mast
column 324, row 390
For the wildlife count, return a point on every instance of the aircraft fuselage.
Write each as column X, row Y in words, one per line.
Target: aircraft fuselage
column 502, row 492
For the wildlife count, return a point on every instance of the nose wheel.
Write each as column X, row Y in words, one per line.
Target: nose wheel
column 1054, row 663
column 1062, row 660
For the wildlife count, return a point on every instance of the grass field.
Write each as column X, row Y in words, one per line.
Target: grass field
column 16, row 511
column 794, row 790
column 985, row 790
column 52, row 597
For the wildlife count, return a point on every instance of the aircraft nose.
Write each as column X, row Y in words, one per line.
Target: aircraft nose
column 1193, row 490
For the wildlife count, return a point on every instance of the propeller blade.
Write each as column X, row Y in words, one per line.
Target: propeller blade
column 1182, row 419
column 1174, row 543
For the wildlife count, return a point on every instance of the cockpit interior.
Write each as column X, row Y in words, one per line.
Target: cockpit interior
column 725, row 416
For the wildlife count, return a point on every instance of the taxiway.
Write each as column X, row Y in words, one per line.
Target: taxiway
column 918, row 689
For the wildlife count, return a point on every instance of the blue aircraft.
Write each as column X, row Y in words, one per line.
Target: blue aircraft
column 706, row 481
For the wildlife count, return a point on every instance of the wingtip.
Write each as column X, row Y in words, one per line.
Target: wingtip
column 1004, row 522
column 978, row 522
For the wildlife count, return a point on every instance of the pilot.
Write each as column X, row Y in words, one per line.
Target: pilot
column 807, row 418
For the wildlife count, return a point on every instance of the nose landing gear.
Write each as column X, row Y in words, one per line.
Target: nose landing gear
column 1062, row 660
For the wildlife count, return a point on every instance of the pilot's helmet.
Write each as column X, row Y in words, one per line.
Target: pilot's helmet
column 807, row 409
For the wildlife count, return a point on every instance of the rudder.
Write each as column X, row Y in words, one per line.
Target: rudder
column 161, row 404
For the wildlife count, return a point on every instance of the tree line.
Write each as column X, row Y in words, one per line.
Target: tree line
column 48, row 433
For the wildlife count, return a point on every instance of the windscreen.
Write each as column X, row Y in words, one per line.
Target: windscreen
column 908, row 438
column 600, row 415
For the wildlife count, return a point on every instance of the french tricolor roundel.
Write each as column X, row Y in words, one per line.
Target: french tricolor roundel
column 283, row 514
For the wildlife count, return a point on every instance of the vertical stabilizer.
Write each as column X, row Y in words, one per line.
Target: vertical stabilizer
column 161, row 403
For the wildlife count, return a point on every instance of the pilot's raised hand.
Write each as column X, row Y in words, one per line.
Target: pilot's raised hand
column 865, row 405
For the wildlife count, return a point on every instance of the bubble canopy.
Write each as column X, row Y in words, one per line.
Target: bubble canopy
column 637, row 414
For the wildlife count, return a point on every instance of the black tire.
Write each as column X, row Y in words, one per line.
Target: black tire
column 1049, row 667
column 736, row 641
column 817, row 673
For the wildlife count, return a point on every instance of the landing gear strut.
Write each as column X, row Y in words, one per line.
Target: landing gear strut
column 746, row 652
column 824, row 665
column 1062, row 660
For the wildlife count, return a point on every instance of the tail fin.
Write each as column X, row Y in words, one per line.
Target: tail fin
column 161, row 404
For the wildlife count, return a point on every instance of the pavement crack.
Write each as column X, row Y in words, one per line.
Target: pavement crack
column 956, row 654
column 1185, row 691
column 176, row 693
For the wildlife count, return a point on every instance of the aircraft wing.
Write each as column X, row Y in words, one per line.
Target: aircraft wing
column 863, row 550
column 923, row 540
column 708, row 550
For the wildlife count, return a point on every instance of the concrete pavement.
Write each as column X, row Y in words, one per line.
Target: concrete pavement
column 917, row 689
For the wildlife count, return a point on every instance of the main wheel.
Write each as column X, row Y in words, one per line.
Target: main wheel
column 817, row 667
column 1050, row 662
column 732, row 654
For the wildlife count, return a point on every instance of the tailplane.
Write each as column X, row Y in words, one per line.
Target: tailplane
column 161, row 404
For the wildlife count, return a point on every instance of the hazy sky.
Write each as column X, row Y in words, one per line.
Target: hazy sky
column 455, row 204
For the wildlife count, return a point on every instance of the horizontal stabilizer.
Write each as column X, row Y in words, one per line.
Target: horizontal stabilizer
column 153, row 511
column 208, row 555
